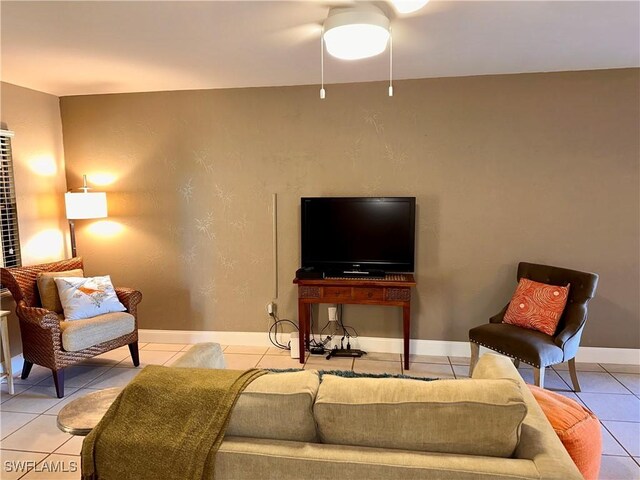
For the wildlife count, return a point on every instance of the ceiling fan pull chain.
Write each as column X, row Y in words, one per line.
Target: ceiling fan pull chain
column 390, row 62
column 322, row 94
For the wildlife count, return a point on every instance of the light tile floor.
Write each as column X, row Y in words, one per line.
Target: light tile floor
column 29, row 434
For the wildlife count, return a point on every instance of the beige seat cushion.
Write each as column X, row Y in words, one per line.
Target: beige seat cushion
column 277, row 406
column 473, row 417
column 81, row 334
column 48, row 291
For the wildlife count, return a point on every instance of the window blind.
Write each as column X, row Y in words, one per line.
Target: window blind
column 8, row 210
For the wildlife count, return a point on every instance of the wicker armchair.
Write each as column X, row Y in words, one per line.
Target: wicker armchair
column 40, row 328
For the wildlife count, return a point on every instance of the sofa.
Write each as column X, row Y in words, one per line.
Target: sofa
column 292, row 426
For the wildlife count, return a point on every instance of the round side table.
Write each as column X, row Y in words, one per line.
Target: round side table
column 82, row 414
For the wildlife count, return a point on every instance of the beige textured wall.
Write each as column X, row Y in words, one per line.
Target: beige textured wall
column 535, row 167
column 39, row 178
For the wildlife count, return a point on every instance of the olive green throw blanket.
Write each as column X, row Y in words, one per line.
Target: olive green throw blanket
column 168, row 423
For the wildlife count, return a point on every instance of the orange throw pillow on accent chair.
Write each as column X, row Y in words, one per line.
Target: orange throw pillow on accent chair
column 578, row 429
column 537, row 306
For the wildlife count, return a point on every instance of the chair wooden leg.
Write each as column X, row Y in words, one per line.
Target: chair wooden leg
column 538, row 377
column 516, row 363
column 475, row 353
column 135, row 357
column 26, row 369
column 58, row 379
column 574, row 375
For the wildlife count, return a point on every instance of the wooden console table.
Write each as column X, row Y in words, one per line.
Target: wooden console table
column 392, row 291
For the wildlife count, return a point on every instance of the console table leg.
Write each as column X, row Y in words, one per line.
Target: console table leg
column 406, row 327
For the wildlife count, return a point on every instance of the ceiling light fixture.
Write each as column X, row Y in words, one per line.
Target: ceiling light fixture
column 353, row 33
column 408, row 6
column 356, row 32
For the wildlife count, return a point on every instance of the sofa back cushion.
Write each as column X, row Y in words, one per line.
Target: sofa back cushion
column 472, row 417
column 277, row 406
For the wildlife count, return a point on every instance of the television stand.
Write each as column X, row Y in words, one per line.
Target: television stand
column 394, row 290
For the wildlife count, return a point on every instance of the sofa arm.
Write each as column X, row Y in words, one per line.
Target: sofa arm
column 492, row 366
column 130, row 298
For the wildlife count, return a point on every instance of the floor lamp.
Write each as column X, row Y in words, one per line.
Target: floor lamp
column 83, row 205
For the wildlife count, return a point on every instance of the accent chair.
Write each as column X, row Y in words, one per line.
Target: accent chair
column 531, row 346
column 51, row 341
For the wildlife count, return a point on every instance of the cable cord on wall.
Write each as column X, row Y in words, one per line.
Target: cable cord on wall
column 313, row 342
column 345, row 328
column 273, row 332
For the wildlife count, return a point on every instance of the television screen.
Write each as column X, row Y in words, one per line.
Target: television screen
column 342, row 234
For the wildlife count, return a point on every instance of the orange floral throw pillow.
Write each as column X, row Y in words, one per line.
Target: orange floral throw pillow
column 537, row 306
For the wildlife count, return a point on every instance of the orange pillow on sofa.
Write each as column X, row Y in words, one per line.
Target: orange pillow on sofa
column 578, row 429
column 537, row 306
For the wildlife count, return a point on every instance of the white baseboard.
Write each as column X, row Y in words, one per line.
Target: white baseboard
column 629, row 356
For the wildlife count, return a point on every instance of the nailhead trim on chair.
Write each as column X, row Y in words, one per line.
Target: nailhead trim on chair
column 504, row 353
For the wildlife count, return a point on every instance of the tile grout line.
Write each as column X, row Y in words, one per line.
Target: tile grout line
column 28, row 451
column 94, row 379
column 64, row 443
column 614, row 437
column 613, row 455
column 22, row 426
column 570, row 387
column 256, row 366
column 451, row 367
column 616, row 378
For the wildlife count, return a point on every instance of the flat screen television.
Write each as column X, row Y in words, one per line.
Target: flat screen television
column 356, row 235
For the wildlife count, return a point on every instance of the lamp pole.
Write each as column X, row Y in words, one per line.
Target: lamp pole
column 72, row 232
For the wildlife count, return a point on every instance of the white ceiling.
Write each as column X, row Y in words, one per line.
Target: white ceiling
column 75, row 48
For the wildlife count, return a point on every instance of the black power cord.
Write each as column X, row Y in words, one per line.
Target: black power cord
column 317, row 347
column 273, row 331
column 345, row 330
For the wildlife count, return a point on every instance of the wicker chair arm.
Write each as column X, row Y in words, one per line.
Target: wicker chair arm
column 130, row 298
column 40, row 316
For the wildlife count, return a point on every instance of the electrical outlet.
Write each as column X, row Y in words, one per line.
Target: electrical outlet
column 271, row 308
column 333, row 314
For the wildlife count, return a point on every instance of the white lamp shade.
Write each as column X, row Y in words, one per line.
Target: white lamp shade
column 85, row 205
column 356, row 32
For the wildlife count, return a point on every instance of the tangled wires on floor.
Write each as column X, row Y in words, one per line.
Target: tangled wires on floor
column 276, row 330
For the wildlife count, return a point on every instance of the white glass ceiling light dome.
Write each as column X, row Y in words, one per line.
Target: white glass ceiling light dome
column 408, row 6
column 356, row 32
